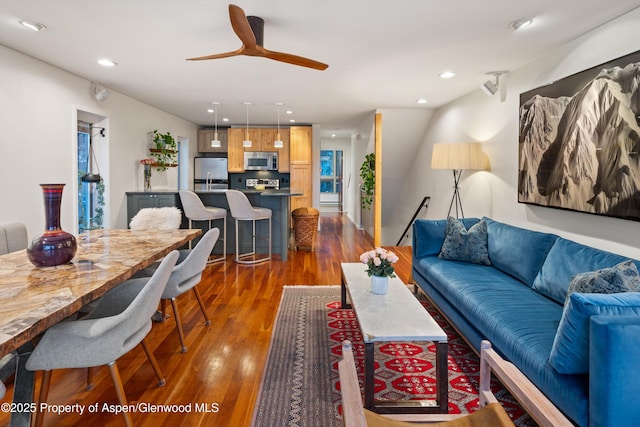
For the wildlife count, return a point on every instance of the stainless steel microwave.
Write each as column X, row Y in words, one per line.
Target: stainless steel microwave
column 260, row 161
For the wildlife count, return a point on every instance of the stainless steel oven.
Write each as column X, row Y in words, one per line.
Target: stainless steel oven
column 260, row 161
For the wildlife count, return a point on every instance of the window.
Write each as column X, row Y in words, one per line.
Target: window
column 328, row 171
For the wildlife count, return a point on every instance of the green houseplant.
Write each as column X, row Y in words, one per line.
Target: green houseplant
column 368, row 176
column 164, row 150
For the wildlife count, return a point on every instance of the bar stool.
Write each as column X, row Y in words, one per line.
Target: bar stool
column 195, row 210
column 241, row 210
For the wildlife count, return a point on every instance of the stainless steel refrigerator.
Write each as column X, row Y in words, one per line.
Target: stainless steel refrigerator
column 210, row 173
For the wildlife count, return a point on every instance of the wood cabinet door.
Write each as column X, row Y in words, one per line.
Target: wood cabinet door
column 235, row 150
column 300, row 178
column 267, row 137
column 254, row 137
column 300, row 145
column 283, row 153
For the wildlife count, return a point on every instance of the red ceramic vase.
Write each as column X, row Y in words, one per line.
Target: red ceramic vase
column 54, row 246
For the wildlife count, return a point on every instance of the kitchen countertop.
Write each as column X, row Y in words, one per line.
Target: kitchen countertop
column 283, row 192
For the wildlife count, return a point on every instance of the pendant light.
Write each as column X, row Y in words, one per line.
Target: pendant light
column 247, row 141
column 215, row 142
column 278, row 143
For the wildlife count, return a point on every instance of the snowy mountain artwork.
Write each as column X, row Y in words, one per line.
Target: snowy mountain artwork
column 579, row 141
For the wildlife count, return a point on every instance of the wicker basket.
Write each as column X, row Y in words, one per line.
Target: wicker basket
column 305, row 227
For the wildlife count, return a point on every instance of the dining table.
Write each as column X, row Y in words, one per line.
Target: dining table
column 33, row 299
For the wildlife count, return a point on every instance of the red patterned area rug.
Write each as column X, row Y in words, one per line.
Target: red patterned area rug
column 300, row 386
column 407, row 370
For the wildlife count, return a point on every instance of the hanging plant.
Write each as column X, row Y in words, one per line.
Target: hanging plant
column 164, row 150
column 368, row 176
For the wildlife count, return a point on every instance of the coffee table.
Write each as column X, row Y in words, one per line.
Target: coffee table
column 396, row 316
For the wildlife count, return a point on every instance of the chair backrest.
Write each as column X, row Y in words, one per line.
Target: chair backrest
column 167, row 218
column 239, row 204
column 192, row 205
column 188, row 273
column 13, row 237
column 352, row 409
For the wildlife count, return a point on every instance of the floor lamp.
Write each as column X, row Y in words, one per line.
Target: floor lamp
column 457, row 156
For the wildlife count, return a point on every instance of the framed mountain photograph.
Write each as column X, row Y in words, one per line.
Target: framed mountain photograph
column 579, row 141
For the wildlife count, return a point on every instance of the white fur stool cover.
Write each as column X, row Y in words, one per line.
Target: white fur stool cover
column 157, row 218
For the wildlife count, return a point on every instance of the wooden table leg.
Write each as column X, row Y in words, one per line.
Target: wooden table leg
column 343, row 294
column 368, row 375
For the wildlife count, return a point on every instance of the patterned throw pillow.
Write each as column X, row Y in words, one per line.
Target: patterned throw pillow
column 623, row 277
column 465, row 245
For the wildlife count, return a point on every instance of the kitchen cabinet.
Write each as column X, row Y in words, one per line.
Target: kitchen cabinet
column 204, row 141
column 262, row 140
column 300, row 139
column 235, row 155
column 254, row 137
column 137, row 200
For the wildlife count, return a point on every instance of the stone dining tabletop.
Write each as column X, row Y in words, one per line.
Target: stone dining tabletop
column 34, row 298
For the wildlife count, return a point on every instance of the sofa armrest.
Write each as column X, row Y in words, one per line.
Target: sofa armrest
column 614, row 362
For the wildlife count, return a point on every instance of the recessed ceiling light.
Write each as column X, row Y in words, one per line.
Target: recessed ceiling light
column 225, row 119
column 421, row 101
column 447, row 74
column 520, row 23
column 107, row 62
column 210, row 110
column 35, row 26
column 289, row 112
column 292, row 121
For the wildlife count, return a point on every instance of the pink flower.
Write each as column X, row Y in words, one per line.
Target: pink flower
column 377, row 261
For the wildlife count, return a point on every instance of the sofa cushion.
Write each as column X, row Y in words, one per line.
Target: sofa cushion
column 622, row 277
column 465, row 245
column 517, row 251
column 570, row 350
column 565, row 260
column 428, row 235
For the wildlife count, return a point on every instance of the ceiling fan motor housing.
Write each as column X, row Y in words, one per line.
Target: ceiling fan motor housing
column 257, row 26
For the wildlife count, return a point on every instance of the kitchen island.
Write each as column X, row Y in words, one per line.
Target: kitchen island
column 276, row 200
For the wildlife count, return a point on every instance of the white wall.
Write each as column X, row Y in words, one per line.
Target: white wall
column 38, row 105
column 477, row 117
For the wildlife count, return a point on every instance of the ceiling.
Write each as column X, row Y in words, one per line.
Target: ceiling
column 381, row 54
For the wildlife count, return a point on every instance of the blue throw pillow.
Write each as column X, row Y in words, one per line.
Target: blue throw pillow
column 622, row 277
column 465, row 245
column 570, row 350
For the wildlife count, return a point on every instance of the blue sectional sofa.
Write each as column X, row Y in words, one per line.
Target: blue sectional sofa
column 518, row 303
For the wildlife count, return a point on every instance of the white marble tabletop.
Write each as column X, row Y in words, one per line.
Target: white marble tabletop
column 396, row 316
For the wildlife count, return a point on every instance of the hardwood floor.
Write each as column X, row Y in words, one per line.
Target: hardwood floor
column 224, row 363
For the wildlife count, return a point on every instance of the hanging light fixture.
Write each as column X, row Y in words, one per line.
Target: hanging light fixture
column 215, row 142
column 247, row 141
column 91, row 177
column 278, row 143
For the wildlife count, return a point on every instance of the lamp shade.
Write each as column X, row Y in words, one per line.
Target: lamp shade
column 458, row 156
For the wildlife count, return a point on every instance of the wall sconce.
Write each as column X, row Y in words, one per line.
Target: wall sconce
column 491, row 88
column 100, row 93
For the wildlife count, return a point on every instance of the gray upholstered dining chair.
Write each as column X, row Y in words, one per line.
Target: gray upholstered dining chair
column 195, row 210
column 241, row 210
column 186, row 274
column 120, row 321
column 13, row 237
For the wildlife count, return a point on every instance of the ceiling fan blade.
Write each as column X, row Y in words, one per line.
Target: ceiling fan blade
column 217, row 55
column 241, row 27
column 294, row 59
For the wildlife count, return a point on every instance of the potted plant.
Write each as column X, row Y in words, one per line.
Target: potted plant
column 164, row 150
column 368, row 175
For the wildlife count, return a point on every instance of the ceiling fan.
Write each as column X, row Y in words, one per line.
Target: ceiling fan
column 250, row 30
